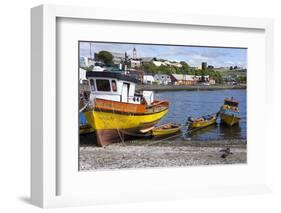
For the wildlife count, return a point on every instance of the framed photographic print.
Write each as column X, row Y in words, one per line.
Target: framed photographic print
column 130, row 106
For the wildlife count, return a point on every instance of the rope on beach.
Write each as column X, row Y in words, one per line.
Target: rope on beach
column 159, row 141
column 119, row 132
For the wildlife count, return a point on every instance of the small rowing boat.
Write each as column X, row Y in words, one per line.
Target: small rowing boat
column 166, row 129
column 201, row 122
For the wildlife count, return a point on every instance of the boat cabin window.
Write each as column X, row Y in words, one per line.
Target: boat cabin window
column 103, row 85
column 230, row 103
column 114, row 86
column 92, row 83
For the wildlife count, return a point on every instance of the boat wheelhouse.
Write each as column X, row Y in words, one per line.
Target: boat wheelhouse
column 115, row 110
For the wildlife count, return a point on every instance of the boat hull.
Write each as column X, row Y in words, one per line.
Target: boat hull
column 113, row 127
column 230, row 120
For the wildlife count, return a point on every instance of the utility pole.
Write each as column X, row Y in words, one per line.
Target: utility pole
column 91, row 50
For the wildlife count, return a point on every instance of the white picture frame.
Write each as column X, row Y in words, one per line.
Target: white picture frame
column 44, row 149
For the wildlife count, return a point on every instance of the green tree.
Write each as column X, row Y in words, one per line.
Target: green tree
column 106, row 57
column 185, row 68
column 149, row 67
column 241, row 79
column 191, row 71
column 217, row 77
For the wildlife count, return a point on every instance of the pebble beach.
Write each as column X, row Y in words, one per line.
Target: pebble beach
column 151, row 154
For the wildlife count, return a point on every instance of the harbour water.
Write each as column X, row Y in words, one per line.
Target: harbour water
column 197, row 103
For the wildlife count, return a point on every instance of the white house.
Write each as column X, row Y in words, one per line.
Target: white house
column 148, row 79
column 157, row 63
column 167, row 63
column 162, row 79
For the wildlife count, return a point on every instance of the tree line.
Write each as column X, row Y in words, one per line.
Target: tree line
column 151, row 68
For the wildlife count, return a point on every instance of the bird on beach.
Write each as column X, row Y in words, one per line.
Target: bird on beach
column 225, row 152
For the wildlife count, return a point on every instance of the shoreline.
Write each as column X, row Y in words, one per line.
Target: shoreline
column 154, row 87
column 145, row 154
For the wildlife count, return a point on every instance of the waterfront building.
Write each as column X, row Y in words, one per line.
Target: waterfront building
column 148, row 79
column 180, row 79
column 162, row 79
column 202, row 79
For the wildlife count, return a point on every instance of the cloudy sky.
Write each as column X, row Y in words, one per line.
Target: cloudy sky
column 194, row 56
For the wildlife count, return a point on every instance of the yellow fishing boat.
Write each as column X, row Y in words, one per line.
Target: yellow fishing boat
column 115, row 110
column 201, row 122
column 230, row 120
column 166, row 129
column 229, row 112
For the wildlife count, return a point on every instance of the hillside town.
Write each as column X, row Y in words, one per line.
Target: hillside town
column 157, row 71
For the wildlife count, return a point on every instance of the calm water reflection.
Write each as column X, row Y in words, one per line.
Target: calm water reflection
column 197, row 103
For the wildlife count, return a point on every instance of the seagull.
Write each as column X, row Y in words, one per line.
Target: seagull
column 226, row 152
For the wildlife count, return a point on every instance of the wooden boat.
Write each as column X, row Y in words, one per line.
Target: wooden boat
column 201, row 122
column 229, row 112
column 115, row 110
column 166, row 129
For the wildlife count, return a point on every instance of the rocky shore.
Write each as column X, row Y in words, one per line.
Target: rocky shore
column 148, row 154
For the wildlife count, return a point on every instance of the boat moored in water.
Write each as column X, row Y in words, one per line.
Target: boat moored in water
column 115, row 110
column 229, row 112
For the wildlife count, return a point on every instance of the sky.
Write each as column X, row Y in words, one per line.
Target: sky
column 193, row 55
